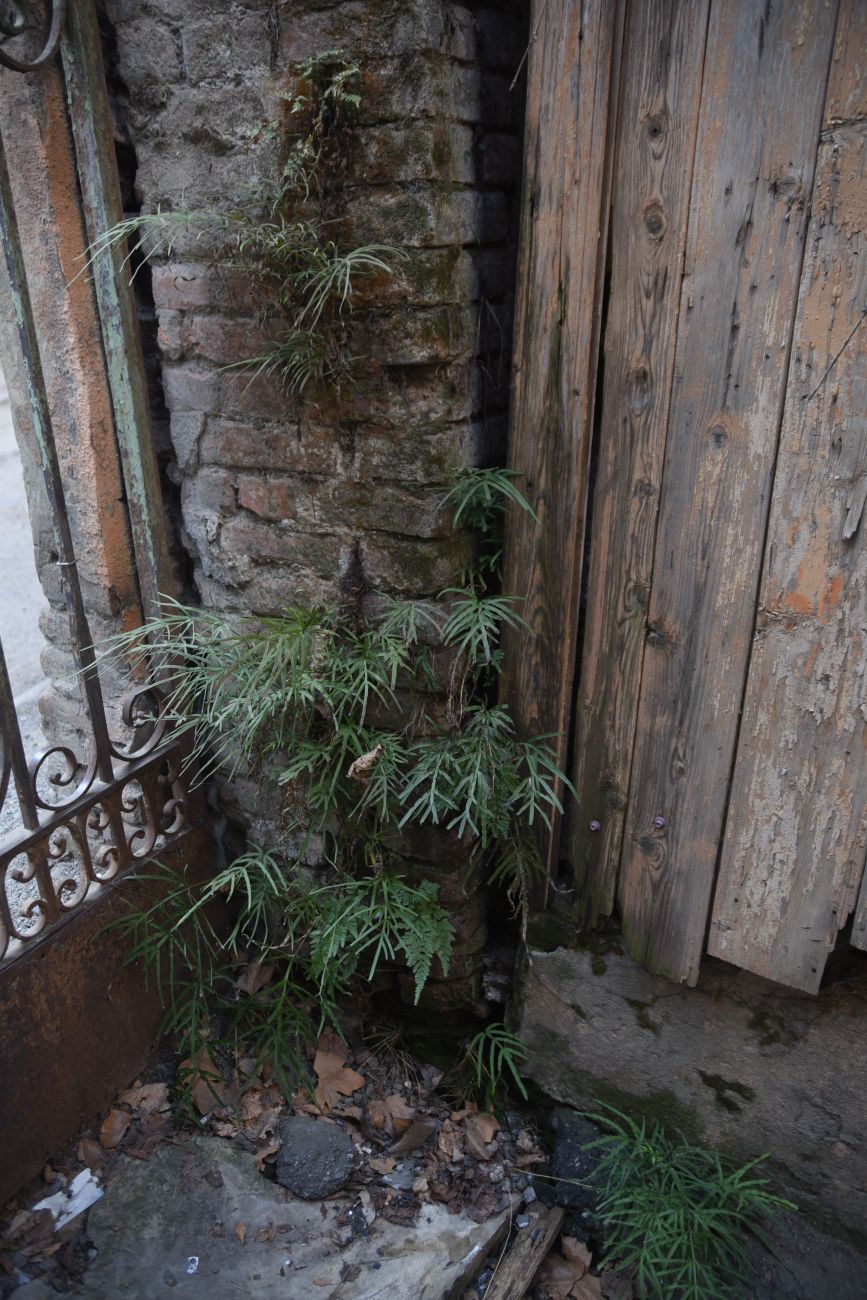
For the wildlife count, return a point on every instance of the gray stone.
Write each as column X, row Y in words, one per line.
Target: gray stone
column 736, row 1063
column 159, row 1216
column 316, row 1158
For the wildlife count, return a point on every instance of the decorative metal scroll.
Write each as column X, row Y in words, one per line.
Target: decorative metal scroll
column 84, row 820
column 16, row 19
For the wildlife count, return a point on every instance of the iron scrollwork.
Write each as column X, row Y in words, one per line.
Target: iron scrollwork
column 17, row 18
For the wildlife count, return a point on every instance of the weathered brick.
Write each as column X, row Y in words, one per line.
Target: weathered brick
column 264, row 447
column 284, row 500
column 427, row 217
column 186, row 429
column 421, row 336
column 169, row 335
column 422, row 278
column 318, row 552
column 189, row 389
column 420, row 151
column 411, row 566
column 383, row 454
column 216, row 48
column 425, row 86
column 249, row 396
column 188, row 286
column 223, row 339
column 358, row 505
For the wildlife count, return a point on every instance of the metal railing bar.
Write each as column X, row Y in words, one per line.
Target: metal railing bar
column 14, row 746
column 82, row 642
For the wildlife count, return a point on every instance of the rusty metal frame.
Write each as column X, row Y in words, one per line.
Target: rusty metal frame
column 85, row 821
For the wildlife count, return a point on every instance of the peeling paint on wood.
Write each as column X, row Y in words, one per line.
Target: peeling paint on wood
column 796, row 834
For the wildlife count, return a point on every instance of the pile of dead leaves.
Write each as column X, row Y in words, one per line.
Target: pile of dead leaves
column 413, row 1147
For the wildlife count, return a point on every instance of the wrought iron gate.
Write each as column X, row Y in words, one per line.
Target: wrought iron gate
column 85, row 819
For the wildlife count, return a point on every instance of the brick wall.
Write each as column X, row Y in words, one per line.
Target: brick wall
column 282, row 500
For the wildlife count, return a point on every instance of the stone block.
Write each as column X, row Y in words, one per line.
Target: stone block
column 248, row 396
column 186, row 429
column 188, row 388
column 294, row 500
column 417, row 336
column 191, row 286
column 736, row 1063
column 421, row 86
column 224, row 45
column 426, row 217
column 360, row 506
column 415, row 455
column 169, row 339
column 318, row 553
column 410, row 567
column 422, row 278
column 419, row 151
column 224, row 340
column 264, row 446
column 148, row 58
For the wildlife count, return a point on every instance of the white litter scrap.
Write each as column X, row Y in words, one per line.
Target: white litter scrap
column 82, row 1192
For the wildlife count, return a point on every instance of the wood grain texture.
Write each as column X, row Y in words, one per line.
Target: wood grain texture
column 766, row 70
column 796, row 834
column 561, row 264
column 514, row 1275
column 660, row 79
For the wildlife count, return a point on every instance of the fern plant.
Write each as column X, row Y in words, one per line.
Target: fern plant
column 280, row 231
column 492, row 1064
column 678, row 1217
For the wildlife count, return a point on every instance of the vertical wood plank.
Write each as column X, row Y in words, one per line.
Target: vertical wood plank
column 661, row 75
column 93, row 134
column 561, row 267
column 766, row 68
column 796, row 833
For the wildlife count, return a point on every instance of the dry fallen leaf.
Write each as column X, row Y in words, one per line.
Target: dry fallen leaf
column 241, row 1232
column 401, row 1114
column 255, row 975
column 90, row 1153
column 208, row 1089
column 360, row 769
column 265, row 1149
column 480, row 1131
column 576, row 1251
column 415, row 1136
column 147, row 1098
column 113, row 1128
column 335, row 1080
column 382, row 1166
column 565, row 1275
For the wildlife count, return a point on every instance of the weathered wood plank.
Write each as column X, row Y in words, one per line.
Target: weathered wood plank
column 564, row 218
column 661, row 73
column 514, row 1275
column 93, row 134
column 796, row 834
column 765, row 75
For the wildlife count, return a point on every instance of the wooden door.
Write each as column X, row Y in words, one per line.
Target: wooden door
column 711, row 703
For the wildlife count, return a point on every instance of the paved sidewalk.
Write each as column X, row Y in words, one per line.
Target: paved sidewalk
column 21, row 598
